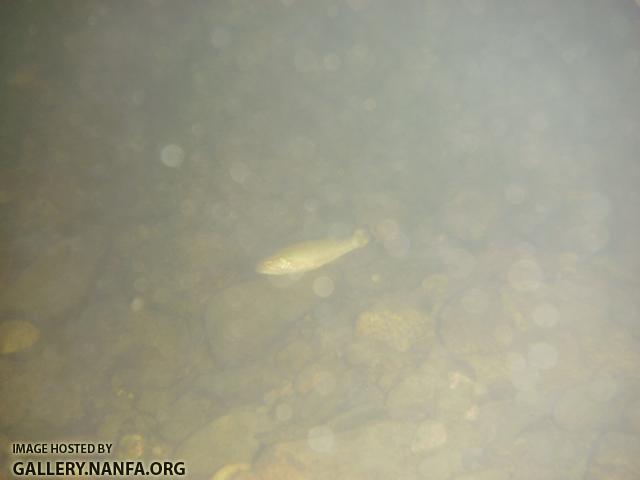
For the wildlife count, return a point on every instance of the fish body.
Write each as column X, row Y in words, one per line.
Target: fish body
column 305, row 256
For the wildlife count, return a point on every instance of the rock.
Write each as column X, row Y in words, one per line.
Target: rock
column 413, row 395
column 429, row 435
column 174, row 270
column 324, row 390
column 491, row 369
column 183, row 416
column 363, row 352
column 155, row 402
column 568, row 369
column 231, row 438
column 144, row 368
column 124, row 420
column 57, row 280
column 244, row 320
column 94, row 338
column 325, row 393
column 175, row 338
column 542, row 450
column 17, row 335
column 29, row 398
column 294, row 355
column 460, row 399
column 364, row 453
column 397, row 326
column 131, row 445
column 239, row 385
column 498, row 422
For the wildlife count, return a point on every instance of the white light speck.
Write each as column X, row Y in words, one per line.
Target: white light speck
column 370, row 104
column 172, row 156
column 137, row 304
column 323, row 287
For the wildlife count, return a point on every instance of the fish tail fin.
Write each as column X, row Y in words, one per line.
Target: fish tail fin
column 360, row 237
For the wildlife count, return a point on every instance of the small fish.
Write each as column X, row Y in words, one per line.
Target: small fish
column 306, row 256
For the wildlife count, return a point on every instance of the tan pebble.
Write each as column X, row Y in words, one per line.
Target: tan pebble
column 17, row 335
column 132, row 445
column 429, row 435
column 397, row 329
column 160, row 450
column 232, row 471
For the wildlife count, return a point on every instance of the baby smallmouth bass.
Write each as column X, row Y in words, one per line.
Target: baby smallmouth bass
column 305, row 256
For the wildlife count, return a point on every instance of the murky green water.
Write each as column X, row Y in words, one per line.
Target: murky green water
column 153, row 152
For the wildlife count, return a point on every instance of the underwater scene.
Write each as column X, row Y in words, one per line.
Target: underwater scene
column 320, row 239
